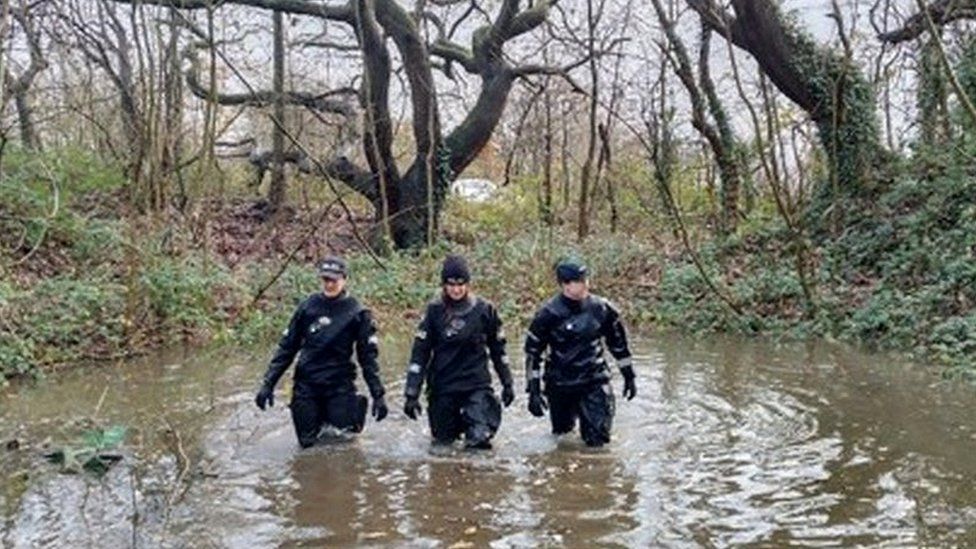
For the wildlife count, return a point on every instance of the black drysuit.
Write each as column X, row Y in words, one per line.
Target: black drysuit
column 450, row 352
column 325, row 330
column 576, row 372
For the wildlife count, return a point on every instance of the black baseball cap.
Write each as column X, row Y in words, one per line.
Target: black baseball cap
column 332, row 267
column 570, row 270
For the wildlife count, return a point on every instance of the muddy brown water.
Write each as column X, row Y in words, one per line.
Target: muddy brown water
column 729, row 442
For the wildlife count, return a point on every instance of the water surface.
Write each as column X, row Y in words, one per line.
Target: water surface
column 729, row 442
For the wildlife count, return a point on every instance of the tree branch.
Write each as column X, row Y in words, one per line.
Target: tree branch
column 378, row 134
column 401, row 27
column 344, row 12
column 37, row 64
column 321, row 102
column 327, row 45
column 452, row 52
column 339, row 168
column 681, row 62
column 942, row 13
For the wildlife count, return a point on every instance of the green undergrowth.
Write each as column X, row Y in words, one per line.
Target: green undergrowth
column 101, row 288
column 900, row 275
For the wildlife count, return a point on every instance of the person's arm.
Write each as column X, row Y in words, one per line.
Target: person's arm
column 496, row 347
column 288, row 347
column 536, row 342
column 616, row 336
column 419, row 356
column 367, row 353
column 419, row 359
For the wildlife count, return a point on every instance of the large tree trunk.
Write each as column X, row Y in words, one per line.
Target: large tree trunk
column 276, row 192
column 25, row 119
column 824, row 84
column 408, row 205
column 587, row 172
column 173, row 98
column 412, row 223
column 547, row 206
column 19, row 87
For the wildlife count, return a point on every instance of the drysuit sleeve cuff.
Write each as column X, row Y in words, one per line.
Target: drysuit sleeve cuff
column 414, row 381
column 627, row 370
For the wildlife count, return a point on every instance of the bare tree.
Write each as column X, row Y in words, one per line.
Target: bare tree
column 939, row 13
column 823, row 83
column 409, row 200
column 707, row 113
column 276, row 194
column 593, row 16
column 18, row 86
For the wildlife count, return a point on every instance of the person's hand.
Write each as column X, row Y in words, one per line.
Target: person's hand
column 380, row 410
column 630, row 383
column 508, row 395
column 412, row 407
column 265, row 396
column 537, row 404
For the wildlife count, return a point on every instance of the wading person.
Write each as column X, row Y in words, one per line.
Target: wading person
column 324, row 331
column 454, row 340
column 572, row 327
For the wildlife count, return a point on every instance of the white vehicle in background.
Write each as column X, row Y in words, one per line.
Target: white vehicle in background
column 474, row 190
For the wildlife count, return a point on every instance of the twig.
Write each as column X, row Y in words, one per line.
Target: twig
column 301, row 244
column 101, row 400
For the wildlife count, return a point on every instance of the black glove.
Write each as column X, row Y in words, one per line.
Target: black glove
column 379, row 408
column 630, row 384
column 508, row 395
column 537, row 403
column 412, row 407
column 265, row 396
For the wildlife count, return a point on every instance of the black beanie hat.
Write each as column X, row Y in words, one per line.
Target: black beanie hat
column 569, row 270
column 455, row 269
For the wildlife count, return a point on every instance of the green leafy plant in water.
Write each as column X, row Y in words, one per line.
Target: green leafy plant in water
column 92, row 453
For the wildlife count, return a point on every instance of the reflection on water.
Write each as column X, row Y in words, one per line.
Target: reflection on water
column 729, row 442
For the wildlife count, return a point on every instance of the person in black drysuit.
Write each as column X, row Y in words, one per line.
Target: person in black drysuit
column 450, row 352
column 324, row 329
column 572, row 326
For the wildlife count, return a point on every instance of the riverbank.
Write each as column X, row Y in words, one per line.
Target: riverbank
column 85, row 279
